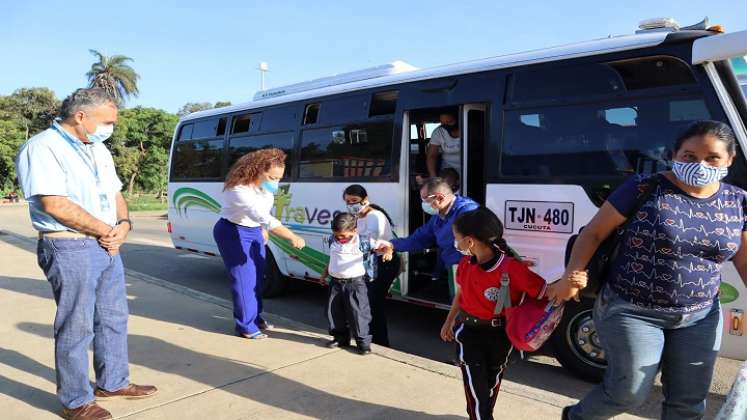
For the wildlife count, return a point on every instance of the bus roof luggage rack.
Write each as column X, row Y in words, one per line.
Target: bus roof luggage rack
column 390, row 69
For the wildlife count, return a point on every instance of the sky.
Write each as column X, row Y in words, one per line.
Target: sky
column 208, row 51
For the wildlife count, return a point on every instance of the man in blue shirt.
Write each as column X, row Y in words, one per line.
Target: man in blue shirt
column 438, row 200
column 68, row 178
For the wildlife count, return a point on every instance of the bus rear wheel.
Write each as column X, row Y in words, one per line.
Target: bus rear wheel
column 576, row 343
column 275, row 283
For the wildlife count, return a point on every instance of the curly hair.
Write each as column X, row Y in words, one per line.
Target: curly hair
column 250, row 166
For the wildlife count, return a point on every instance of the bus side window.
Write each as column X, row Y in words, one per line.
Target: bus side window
column 185, row 133
column 616, row 139
column 598, row 120
column 242, row 123
column 198, row 154
column 240, row 145
column 383, row 103
column 355, row 150
column 311, row 114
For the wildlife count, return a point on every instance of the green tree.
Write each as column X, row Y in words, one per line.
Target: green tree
column 140, row 146
column 113, row 74
column 191, row 107
column 11, row 139
column 35, row 108
column 221, row 104
column 22, row 114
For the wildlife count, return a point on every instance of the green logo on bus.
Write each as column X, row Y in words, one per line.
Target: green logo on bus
column 184, row 198
column 727, row 293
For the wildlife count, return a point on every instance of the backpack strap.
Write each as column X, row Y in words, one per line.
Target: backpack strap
column 504, row 297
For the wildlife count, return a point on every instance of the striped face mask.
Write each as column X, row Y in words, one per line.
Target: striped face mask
column 698, row 174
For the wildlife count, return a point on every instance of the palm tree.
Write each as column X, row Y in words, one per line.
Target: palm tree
column 114, row 75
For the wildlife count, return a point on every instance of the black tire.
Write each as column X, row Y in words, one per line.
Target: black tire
column 576, row 344
column 275, row 283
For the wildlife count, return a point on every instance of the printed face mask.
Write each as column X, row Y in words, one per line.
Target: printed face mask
column 698, row 174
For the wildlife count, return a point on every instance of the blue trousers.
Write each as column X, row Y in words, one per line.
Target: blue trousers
column 89, row 290
column 638, row 342
column 243, row 251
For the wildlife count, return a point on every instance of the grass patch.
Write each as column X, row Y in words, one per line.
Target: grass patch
column 146, row 202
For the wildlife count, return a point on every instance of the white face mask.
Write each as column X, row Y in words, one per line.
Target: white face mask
column 465, row 252
column 102, row 133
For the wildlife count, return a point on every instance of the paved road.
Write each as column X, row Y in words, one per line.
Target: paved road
column 413, row 329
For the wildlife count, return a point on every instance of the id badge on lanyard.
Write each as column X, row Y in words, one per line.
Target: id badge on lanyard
column 90, row 161
column 103, row 196
column 104, row 202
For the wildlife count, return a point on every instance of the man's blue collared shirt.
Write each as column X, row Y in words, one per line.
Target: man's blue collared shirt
column 54, row 162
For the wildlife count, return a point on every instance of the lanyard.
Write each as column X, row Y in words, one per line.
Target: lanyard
column 88, row 159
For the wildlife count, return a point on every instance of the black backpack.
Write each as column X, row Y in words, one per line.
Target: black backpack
column 598, row 266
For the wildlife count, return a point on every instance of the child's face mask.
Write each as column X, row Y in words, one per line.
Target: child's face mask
column 344, row 238
column 466, row 252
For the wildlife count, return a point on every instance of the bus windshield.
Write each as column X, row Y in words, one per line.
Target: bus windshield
column 739, row 66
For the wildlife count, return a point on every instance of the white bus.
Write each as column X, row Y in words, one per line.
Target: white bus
column 546, row 134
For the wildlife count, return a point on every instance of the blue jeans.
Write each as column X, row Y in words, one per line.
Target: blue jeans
column 89, row 289
column 243, row 251
column 638, row 342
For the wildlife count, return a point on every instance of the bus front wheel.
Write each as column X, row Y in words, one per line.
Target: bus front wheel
column 576, row 344
column 275, row 282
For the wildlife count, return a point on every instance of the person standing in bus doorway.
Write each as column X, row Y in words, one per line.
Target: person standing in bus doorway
column 439, row 201
column 242, row 233
column 68, row 177
column 374, row 224
column 659, row 307
column 446, row 143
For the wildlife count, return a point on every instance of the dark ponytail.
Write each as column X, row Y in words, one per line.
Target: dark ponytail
column 358, row 191
column 483, row 225
column 501, row 245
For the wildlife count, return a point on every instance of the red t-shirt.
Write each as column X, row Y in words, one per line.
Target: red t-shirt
column 480, row 284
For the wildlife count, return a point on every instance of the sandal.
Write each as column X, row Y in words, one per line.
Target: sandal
column 264, row 325
column 259, row 335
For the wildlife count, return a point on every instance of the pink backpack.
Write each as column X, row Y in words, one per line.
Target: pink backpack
column 531, row 323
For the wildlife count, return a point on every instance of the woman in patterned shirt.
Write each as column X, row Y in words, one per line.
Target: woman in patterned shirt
column 659, row 308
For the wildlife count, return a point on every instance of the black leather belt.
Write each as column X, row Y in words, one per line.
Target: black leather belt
column 351, row 279
column 471, row 321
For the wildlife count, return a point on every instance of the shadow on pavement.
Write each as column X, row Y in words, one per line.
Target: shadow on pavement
column 309, row 401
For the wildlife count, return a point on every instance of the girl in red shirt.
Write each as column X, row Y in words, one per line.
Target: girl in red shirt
column 482, row 345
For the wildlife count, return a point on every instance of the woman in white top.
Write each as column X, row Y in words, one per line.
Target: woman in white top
column 374, row 223
column 446, row 143
column 242, row 233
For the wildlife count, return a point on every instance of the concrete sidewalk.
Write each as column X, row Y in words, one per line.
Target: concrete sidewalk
column 181, row 341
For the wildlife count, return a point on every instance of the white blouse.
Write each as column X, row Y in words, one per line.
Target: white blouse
column 249, row 206
column 375, row 226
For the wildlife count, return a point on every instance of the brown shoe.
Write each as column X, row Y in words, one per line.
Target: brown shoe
column 130, row 392
column 89, row 411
